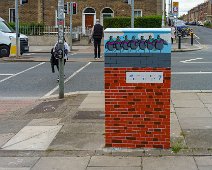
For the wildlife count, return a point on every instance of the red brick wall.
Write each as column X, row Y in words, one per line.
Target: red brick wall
column 137, row 115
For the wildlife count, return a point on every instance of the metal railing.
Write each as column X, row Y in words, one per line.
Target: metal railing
column 51, row 30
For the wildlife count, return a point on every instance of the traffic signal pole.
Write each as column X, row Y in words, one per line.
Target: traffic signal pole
column 133, row 13
column 17, row 28
column 60, row 22
column 71, row 9
column 163, row 11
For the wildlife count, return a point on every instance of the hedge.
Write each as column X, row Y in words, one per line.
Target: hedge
column 140, row 22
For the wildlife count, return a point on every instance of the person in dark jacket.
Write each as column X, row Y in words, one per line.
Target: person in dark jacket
column 97, row 34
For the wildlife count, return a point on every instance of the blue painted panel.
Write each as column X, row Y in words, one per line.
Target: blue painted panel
column 137, row 41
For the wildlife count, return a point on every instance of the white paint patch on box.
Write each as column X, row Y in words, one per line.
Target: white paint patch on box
column 144, row 77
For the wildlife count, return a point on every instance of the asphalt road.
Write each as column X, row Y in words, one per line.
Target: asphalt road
column 190, row 71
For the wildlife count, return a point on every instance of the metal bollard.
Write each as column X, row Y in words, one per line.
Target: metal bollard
column 192, row 38
column 179, row 42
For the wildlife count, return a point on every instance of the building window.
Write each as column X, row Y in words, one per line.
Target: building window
column 138, row 13
column 11, row 14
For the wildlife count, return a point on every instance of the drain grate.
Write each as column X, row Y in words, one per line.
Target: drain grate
column 44, row 107
column 89, row 115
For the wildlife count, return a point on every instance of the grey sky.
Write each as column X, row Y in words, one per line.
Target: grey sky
column 186, row 5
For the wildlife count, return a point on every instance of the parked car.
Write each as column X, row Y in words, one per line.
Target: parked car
column 200, row 23
column 7, row 33
column 193, row 23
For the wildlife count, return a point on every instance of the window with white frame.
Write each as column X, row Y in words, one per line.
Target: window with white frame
column 138, row 13
column 11, row 14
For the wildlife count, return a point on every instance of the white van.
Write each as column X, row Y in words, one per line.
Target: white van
column 6, row 34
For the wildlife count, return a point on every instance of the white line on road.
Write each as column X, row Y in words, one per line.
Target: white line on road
column 6, row 74
column 21, row 72
column 180, row 73
column 29, row 54
column 196, row 62
column 69, row 78
column 185, row 61
column 74, row 54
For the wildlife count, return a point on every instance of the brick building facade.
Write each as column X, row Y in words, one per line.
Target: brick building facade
column 201, row 12
column 45, row 11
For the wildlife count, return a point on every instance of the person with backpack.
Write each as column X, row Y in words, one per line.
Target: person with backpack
column 97, row 34
column 55, row 56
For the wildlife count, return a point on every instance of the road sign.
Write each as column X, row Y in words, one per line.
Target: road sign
column 175, row 8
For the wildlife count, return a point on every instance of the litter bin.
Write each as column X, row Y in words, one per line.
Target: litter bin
column 137, row 87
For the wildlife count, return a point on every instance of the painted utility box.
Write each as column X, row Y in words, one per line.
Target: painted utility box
column 137, row 87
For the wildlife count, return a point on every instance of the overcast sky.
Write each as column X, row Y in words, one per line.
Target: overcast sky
column 186, row 5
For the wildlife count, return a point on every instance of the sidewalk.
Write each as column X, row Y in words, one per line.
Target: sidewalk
column 82, row 50
column 89, row 49
column 69, row 134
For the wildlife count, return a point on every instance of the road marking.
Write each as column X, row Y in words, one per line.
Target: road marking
column 181, row 73
column 196, row 36
column 29, row 54
column 69, row 78
column 21, row 72
column 74, row 54
column 6, row 74
column 185, row 61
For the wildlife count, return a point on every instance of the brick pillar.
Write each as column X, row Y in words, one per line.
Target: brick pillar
column 137, row 114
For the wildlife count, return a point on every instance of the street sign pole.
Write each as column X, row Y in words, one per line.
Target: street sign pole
column 163, row 10
column 71, row 13
column 133, row 14
column 17, row 28
column 60, row 22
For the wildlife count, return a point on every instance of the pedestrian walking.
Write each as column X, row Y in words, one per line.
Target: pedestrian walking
column 97, row 34
column 173, row 32
column 55, row 57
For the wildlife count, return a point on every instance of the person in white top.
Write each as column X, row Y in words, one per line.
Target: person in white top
column 55, row 55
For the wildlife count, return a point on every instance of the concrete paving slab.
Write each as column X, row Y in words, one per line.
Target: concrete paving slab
column 209, row 107
column 199, row 138
column 92, row 107
column 62, row 163
column 83, row 128
column 204, row 163
column 94, row 102
column 193, row 112
column 204, row 160
column 184, row 96
column 205, row 167
column 4, row 138
column 188, row 103
column 15, row 168
column 12, row 126
column 81, row 141
column 196, row 123
column 44, row 122
column 113, row 168
column 32, row 138
column 169, row 163
column 17, row 162
column 109, row 161
column 175, row 126
column 205, row 97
